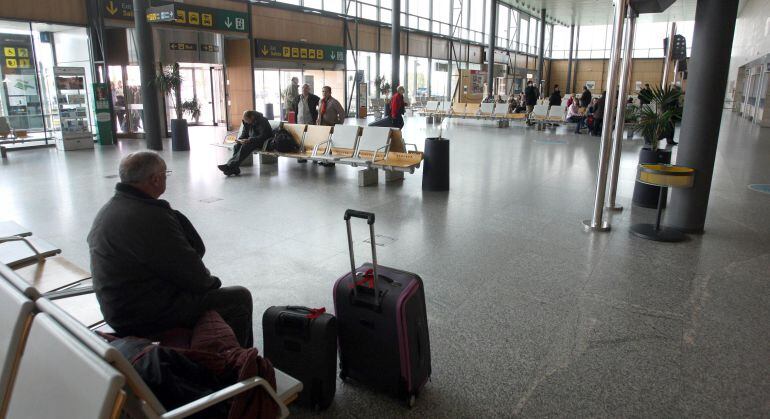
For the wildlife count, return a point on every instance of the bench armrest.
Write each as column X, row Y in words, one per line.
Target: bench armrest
column 73, row 291
column 25, row 240
column 224, row 394
column 374, row 156
column 315, row 148
column 413, row 145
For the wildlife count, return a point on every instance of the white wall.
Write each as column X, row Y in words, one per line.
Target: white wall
column 752, row 36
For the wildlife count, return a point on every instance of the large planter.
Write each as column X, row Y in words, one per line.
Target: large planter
column 647, row 195
column 180, row 139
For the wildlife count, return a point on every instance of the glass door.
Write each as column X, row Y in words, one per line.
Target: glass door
column 118, row 97
column 218, row 96
column 268, row 93
column 135, row 112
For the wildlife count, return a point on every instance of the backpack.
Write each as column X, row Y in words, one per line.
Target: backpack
column 283, row 142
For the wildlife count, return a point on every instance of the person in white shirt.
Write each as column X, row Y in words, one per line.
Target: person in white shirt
column 574, row 115
column 306, row 106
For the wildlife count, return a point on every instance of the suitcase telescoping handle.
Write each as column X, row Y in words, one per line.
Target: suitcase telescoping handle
column 369, row 217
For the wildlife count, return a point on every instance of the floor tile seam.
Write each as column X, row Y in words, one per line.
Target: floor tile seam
column 625, row 306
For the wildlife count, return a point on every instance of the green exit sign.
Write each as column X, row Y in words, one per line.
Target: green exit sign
column 161, row 14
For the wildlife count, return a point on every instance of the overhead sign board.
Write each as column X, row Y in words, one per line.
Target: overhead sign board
column 161, row 14
column 185, row 15
column 269, row 50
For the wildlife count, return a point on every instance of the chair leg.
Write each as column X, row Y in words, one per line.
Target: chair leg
column 267, row 159
column 393, row 175
column 367, row 177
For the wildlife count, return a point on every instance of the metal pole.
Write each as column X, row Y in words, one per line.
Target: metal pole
column 491, row 48
column 596, row 222
column 395, row 45
column 620, row 120
column 669, row 51
column 712, row 45
column 569, row 64
column 146, row 53
column 541, row 54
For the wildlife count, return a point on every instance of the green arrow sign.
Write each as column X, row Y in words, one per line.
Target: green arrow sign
column 268, row 49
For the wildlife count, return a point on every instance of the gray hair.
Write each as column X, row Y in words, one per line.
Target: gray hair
column 139, row 166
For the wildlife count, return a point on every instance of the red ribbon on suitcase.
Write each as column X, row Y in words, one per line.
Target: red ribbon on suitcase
column 316, row 313
column 367, row 278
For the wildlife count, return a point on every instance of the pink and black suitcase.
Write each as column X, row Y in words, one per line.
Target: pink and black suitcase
column 382, row 324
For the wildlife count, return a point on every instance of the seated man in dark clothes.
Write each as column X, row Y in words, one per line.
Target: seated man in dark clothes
column 146, row 261
column 255, row 130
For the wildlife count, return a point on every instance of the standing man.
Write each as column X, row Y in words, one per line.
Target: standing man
column 290, row 96
column 398, row 108
column 531, row 94
column 255, row 130
column 585, row 98
column 306, row 106
column 147, row 260
column 331, row 112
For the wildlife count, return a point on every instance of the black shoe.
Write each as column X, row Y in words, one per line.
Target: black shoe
column 672, row 143
column 236, row 171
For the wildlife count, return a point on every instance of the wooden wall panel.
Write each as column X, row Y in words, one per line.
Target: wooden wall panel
column 240, row 89
column 645, row 70
column 283, row 25
column 59, row 11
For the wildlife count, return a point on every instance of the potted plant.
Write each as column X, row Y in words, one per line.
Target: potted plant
column 655, row 121
column 192, row 107
column 170, row 82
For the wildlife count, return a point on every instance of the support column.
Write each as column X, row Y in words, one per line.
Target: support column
column 597, row 223
column 541, row 55
column 620, row 120
column 146, row 53
column 395, row 45
column 491, row 48
column 569, row 63
column 577, row 62
column 669, row 52
column 707, row 75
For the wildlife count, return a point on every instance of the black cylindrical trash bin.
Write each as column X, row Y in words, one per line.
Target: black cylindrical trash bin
column 647, row 195
column 269, row 111
column 435, row 172
column 180, row 138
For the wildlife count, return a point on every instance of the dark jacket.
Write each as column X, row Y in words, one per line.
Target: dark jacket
column 585, row 98
column 599, row 111
column 259, row 131
column 644, row 96
column 146, row 263
column 312, row 103
column 531, row 94
column 555, row 99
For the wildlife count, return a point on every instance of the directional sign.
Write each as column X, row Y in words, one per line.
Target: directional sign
column 185, row 15
column 161, row 14
column 268, row 49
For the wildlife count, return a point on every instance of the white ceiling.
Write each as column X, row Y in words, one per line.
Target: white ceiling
column 599, row 12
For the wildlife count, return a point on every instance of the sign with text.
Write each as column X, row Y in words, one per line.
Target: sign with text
column 185, row 15
column 161, row 14
column 267, row 49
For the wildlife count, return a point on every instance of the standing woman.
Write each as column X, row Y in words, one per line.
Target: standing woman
column 398, row 108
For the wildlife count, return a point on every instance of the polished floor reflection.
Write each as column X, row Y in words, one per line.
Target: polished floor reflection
column 529, row 315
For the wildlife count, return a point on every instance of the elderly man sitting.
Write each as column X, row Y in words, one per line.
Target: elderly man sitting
column 146, row 261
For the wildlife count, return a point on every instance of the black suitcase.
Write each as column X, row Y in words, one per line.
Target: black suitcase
column 302, row 342
column 382, row 324
column 386, row 121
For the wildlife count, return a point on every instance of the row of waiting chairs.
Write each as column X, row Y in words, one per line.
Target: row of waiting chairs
column 540, row 113
column 46, row 344
column 368, row 147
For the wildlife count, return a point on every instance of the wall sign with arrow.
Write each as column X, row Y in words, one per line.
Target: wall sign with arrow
column 268, row 49
column 186, row 15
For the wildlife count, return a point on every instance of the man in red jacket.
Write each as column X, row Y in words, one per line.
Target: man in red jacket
column 398, row 108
